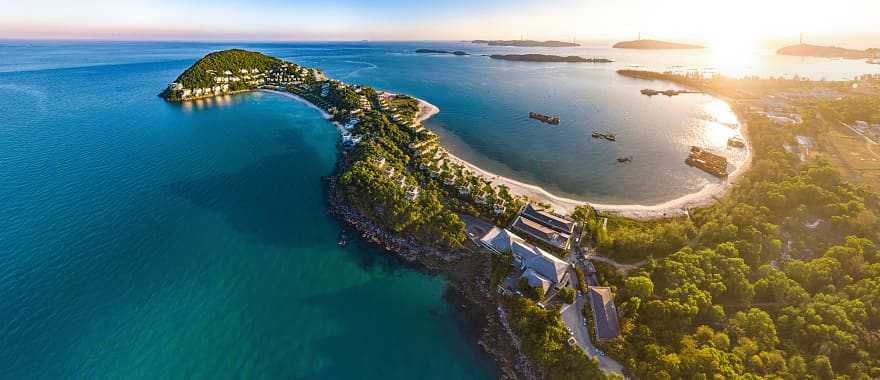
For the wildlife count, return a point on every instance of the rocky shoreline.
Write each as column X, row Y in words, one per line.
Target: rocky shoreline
column 468, row 272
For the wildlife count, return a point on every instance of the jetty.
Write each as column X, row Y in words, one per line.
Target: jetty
column 708, row 162
column 544, row 118
column 670, row 93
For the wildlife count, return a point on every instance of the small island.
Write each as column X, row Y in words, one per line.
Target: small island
column 807, row 50
column 433, row 51
column 547, row 58
column 526, row 43
column 654, row 45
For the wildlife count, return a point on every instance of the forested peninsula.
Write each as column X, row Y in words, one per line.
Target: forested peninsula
column 777, row 280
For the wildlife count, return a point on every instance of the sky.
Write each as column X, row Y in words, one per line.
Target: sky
column 851, row 23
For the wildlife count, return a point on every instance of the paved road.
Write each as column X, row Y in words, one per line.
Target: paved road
column 571, row 315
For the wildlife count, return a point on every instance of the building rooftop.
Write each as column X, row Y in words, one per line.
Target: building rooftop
column 541, row 232
column 500, row 239
column 528, row 256
column 547, row 265
column 536, row 280
column 604, row 312
column 549, row 219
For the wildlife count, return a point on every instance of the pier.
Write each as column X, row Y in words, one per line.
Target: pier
column 669, row 93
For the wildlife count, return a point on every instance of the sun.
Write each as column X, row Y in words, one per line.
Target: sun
column 733, row 51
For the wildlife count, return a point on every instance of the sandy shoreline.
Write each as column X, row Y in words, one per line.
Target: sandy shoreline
column 671, row 208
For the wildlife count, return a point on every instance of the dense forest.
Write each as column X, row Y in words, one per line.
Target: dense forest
column 780, row 279
column 198, row 74
column 378, row 190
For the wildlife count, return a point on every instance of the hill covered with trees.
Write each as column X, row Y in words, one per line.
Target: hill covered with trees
column 202, row 73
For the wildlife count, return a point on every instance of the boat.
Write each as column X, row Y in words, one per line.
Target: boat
column 650, row 92
column 671, row 93
column 544, row 118
column 736, row 142
column 606, row 136
column 624, row 160
column 709, row 162
column 343, row 241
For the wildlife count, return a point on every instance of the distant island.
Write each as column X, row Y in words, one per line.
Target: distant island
column 654, row 45
column 807, row 50
column 548, row 58
column 526, row 43
column 432, row 51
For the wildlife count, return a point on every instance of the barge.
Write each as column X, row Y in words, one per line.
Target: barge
column 544, row 118
column 708, row 162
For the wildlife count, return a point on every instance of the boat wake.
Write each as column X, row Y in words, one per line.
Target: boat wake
column 370, row 66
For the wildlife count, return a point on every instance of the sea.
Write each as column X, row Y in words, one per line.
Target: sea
column 143, row 239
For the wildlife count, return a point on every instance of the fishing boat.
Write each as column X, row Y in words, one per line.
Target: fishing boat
column 624, row 160
column 544, row 118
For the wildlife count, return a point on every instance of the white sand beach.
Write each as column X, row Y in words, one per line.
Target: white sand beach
column 672, row 208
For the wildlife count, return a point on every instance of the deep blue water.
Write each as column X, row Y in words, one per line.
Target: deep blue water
column 141, row 239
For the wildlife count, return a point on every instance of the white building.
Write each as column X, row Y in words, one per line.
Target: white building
column 538, row 266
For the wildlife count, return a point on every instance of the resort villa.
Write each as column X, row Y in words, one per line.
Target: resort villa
column 545, row 226
column 539, row 267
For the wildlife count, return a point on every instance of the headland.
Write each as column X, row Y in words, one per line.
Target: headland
column 654, row 45
column 807, row 50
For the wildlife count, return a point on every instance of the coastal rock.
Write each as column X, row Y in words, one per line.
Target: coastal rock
column 526, row 43
column 539, row 58
column 432, row 51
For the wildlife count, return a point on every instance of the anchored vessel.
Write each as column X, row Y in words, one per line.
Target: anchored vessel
column 736, row 142
column 709, row 162
column 606, row 136
column 544, row 118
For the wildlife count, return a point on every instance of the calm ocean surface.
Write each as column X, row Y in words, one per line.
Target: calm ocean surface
column 141, row 239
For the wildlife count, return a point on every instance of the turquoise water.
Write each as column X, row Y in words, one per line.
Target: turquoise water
column 141, row 239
